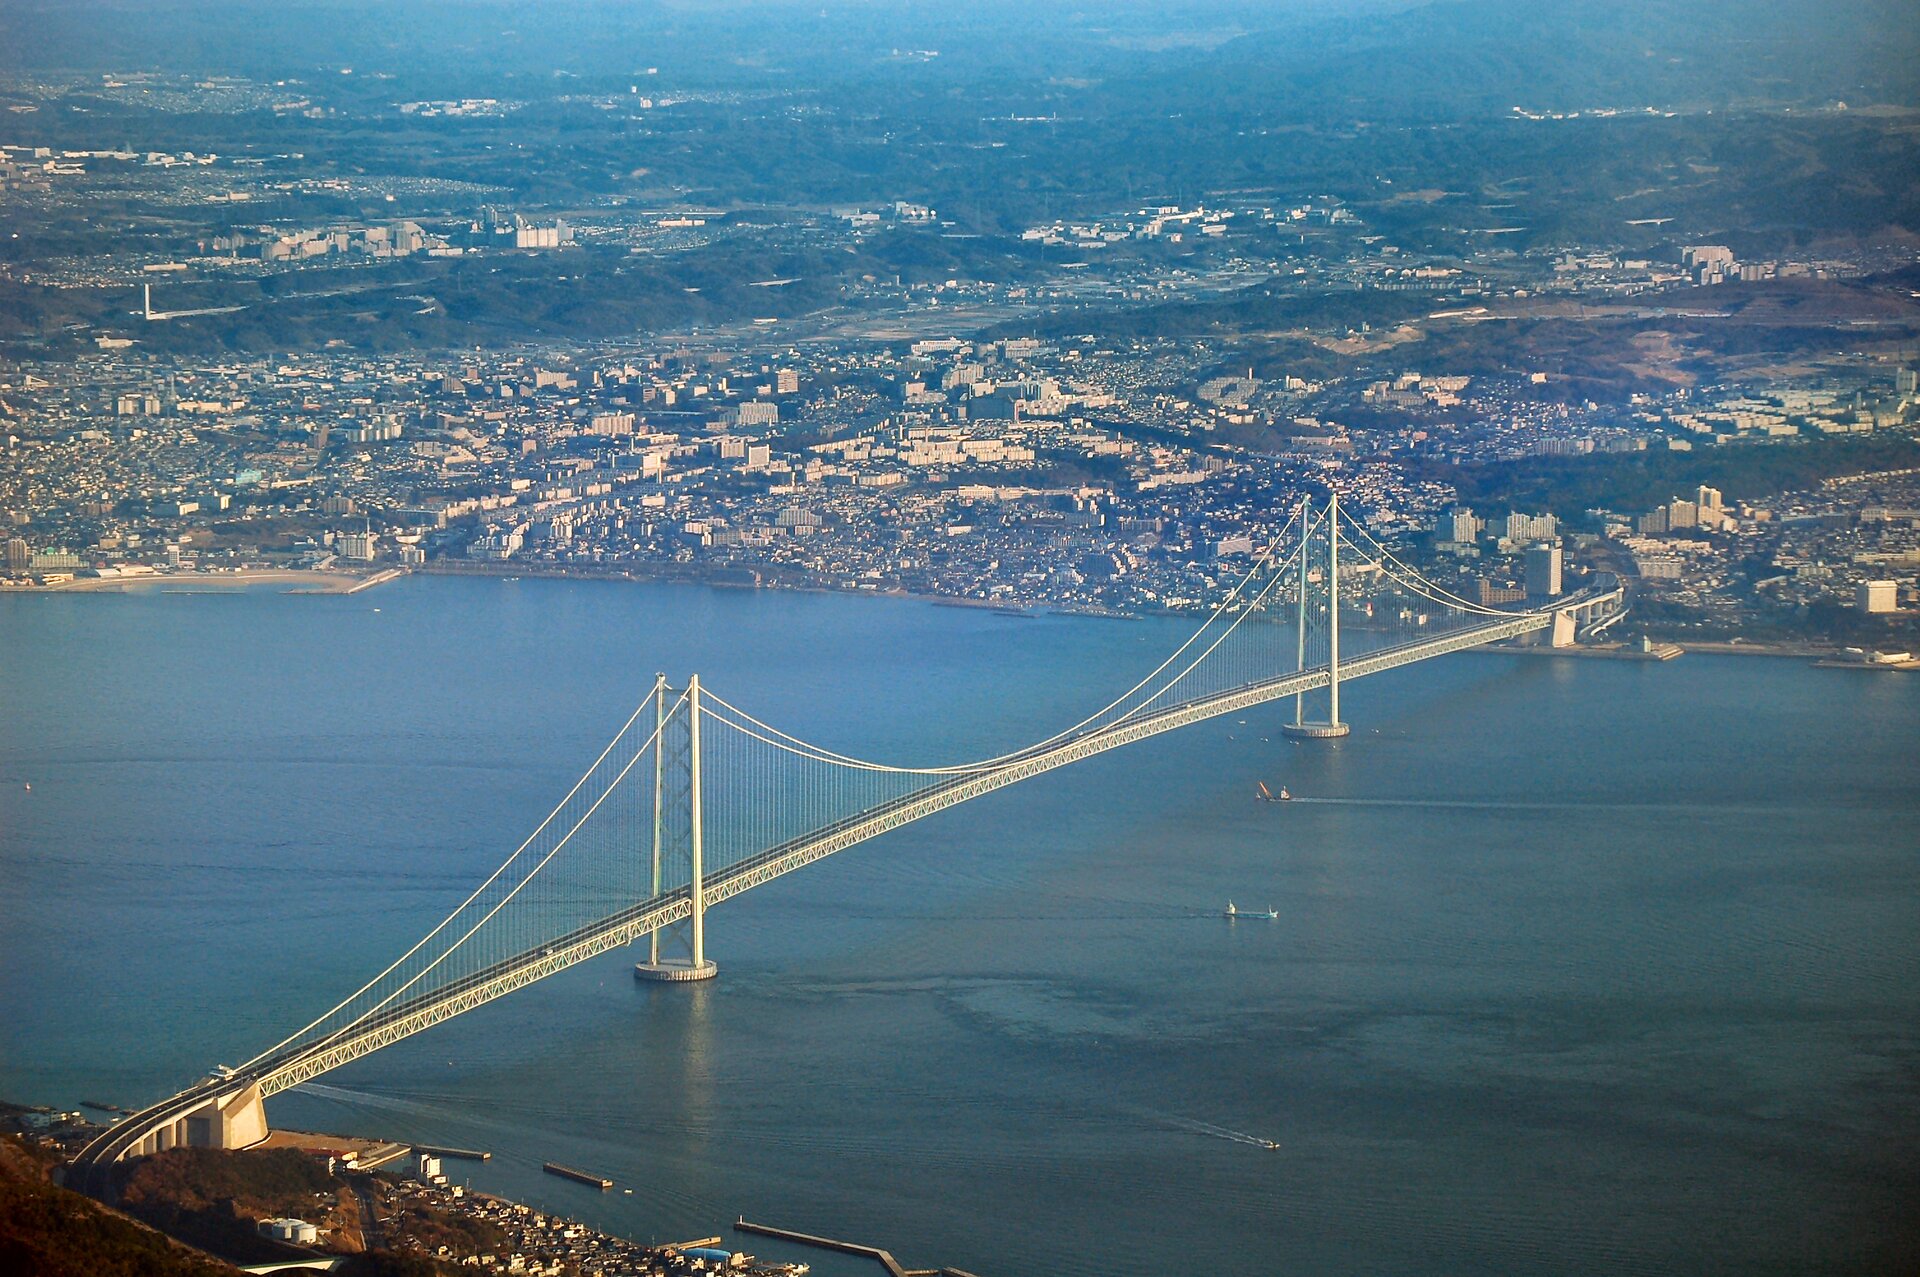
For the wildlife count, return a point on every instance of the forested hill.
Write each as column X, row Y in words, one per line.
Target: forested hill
column 47, row 1231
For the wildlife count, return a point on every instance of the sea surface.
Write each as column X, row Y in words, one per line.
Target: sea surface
column 1580, row 966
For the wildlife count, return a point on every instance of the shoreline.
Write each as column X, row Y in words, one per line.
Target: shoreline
column 675, row 574
column 1806, row 651
column 333, row 581
column 1668, row 651
column 1661, row 653
column 317, row 581
column 378, row 1171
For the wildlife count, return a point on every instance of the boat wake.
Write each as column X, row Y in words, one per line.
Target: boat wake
column 363, row 1099
column 1678, row 808
column 1211, row 1131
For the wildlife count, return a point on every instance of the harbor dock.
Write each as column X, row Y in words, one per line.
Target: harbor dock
column 380, row 1156
column 600, row 1182
column 467, row 1154
column 884, row 1258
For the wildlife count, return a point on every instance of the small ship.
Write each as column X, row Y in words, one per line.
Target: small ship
column 1268, row 796
column 1232, row 912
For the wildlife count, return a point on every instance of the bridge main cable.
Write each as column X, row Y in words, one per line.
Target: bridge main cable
column 1233, row 669
column 771, row 735
column 752, row 726
column 444, row 923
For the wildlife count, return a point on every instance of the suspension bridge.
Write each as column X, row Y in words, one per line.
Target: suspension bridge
column 695, row 801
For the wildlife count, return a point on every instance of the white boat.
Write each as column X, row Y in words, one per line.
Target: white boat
column 1232, row 912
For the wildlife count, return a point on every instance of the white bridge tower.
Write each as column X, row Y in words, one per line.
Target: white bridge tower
column 678, row 826
column 1302, row 727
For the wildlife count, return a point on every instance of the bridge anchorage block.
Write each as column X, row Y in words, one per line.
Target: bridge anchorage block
column 674, row 970
column 1315, row 731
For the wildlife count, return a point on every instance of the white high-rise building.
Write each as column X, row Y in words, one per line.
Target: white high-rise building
column 754, row 412
column 1531, row 527
column 1543, row 572
column 1878, row 597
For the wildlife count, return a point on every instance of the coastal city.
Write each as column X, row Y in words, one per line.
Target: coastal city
column 1068, row 473
column 1099, row 412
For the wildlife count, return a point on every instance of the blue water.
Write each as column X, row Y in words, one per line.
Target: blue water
column 1580, row 967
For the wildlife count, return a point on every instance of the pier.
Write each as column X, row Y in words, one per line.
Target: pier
column 381, row 1156
column 378, row 578
column 467, row 1154
column 600, row 1182
column 882, row 1257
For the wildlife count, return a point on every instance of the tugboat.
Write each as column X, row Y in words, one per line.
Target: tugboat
column 1268, row 796
column 1232, row 912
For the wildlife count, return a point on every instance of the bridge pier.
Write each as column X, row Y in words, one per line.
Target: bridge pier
column 674, row 970
column 237, row 1119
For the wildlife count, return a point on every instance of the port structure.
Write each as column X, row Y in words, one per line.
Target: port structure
column 695, row 801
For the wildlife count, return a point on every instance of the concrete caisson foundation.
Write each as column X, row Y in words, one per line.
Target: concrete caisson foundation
column 674, row 970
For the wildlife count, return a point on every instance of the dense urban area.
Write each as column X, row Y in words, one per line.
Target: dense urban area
column 1111, row 411
column 1039, row 467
